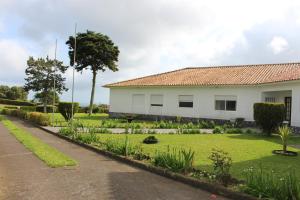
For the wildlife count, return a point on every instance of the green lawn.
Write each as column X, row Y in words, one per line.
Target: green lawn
column 245, row 150
column 51, row 156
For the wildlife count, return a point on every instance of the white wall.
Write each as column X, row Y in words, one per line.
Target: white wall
column 204, row 100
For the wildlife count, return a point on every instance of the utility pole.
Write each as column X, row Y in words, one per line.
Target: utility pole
column 74, row 63
column 54, row 89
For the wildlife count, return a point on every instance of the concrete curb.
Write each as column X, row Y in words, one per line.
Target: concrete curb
column 210, row 187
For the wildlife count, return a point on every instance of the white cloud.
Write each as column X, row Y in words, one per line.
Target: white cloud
column 278, row 44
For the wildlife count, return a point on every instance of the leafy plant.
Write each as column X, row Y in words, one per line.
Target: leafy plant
column 284, row 132
column 269, row 185
column 269, row 115
column 150, row 140
column 221, row 165
column 218, row 130
column 177, row 160
column 65, row 109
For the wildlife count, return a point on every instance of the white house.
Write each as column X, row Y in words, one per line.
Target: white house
column 222, row 93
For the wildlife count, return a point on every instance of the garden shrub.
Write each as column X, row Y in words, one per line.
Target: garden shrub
column 28, row 108
column 269, row 115
column 207, row 124
column 234, row 130
column 150, row 140
column 176, row 160
column 11, row 107
column 124, row 148
column 39, row 118
column 239, row 122
column 190, row 131
column 271, row 185
column 218, row 130
column 65, row 108
column 49, row 108
column 221, row 165
column 15, row 102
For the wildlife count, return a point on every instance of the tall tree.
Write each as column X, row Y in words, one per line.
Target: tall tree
column 40, row 77
column 96, row 52
column 14, row 92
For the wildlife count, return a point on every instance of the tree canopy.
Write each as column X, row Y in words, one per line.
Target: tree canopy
column 41, row 73
column 94, row 51
column 14, row 92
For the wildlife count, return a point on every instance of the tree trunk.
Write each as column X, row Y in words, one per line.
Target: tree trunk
column 45, row 106
column 92, row 93
column 284, row 148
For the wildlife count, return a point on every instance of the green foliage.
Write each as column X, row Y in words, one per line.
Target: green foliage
column 150, row 140
column 96, row 52
column 65, row 108
column 28, row 108
column 39, row 118
column 13, row 93
column 177, row 160
column 124, row 148
column 49, row 108
column 269, row 185
column 284, row 132
column 218, row 130
column 221, row 165
column 207, row 124
column 51, row 156
column 41, row 74
column 269, row 115
column 234, row 130
column 48, row 98
column 239, row 122
column 16, row 102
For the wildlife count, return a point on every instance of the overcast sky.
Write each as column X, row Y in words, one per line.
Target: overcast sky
column 153, row 35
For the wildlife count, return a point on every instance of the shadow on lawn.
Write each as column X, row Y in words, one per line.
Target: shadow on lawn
column 274, row 138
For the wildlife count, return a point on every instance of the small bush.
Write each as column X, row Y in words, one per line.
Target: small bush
column 239, row 122
column 190, row 131
column 269, row 115
column 49, row 108
column 221, row 165
column 218, row 130
column 124, row 148
column 39, row 118
column 150, row 140
column 284, row 132
column 65, row 108
column 207, row 124
column 15, row 102
column 177, row 160
column 269, row 185
column 234, row 131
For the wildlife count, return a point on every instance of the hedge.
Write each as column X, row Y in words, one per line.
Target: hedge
column 269, row 115
column 35, row 117
column 15, row 102
column 65, row 108
column 49, row 108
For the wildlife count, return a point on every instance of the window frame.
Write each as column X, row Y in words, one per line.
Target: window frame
column 156, row 104
column 226, row 99
column 188, row 103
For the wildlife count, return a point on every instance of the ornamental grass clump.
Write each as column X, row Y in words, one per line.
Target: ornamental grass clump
column 266, row 184
column 284, row 132
column 176, row 160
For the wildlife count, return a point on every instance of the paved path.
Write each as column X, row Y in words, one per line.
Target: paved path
column 23, row 176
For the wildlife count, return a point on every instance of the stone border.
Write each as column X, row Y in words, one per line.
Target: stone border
column 210, row 187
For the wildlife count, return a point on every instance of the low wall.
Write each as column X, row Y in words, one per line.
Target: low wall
column 173, row 118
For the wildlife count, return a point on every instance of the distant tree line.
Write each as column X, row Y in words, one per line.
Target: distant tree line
column 13, row 93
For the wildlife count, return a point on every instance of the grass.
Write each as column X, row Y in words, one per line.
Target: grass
column 245, row 150
column 51, row 156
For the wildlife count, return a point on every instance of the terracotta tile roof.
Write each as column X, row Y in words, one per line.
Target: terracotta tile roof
column 221, row 75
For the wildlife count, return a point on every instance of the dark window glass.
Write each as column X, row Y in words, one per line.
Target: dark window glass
column 231, row 105
column 160, row 105
column 220, row 105
column 186, row 104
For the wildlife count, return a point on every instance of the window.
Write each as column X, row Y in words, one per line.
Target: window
column 270, row 99
column 223, row 102
column 186, row 101
column 156, row 100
